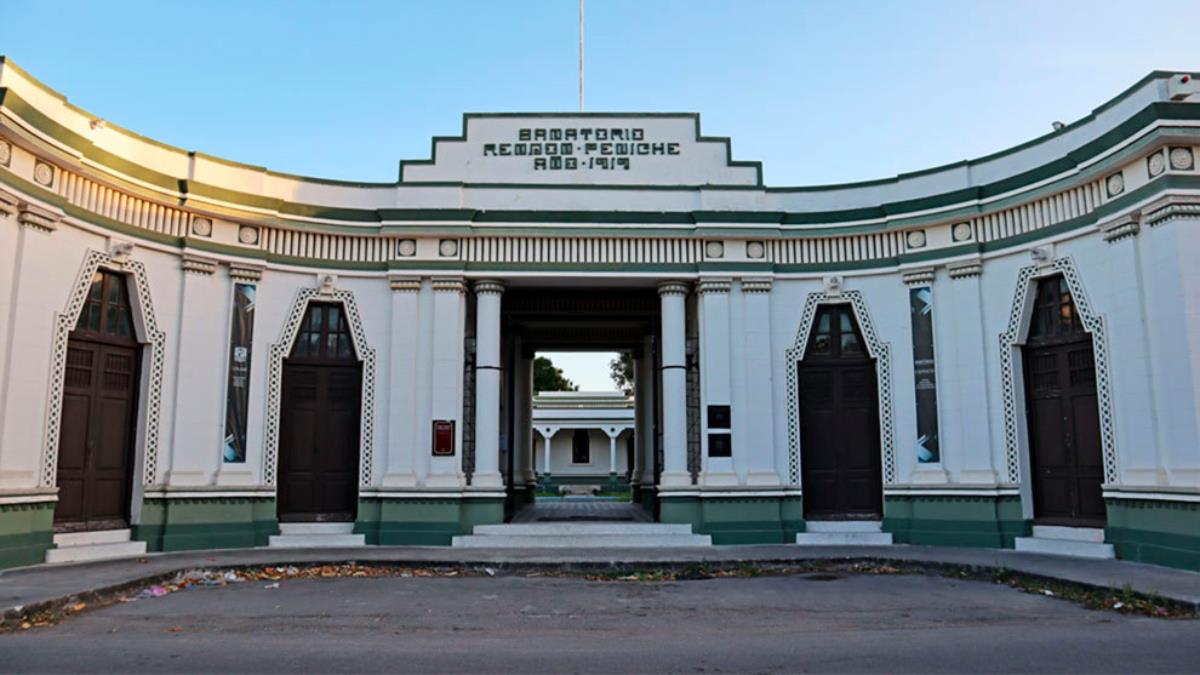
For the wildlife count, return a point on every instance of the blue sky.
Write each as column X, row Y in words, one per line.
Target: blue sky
column 821, row 92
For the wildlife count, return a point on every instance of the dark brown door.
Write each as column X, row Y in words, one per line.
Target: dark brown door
column 839, row 422
column 319, row 425
column 95, row 449
column 1063, row 412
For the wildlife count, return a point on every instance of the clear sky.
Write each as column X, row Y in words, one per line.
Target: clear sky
column 821, row 92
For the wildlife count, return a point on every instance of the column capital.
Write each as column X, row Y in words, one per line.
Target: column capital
column 963, row 270
column 757, row 285
column 1124, row 227
column 449, row 285
column 921, row 276
column 713, row 285
column 245, row 272
column 194, row 264
column 488, row 287
column 673, row 288
column 37, row 218
column 9, row 204
column 405, row 284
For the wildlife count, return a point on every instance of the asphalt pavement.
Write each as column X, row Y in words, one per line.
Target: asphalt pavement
column 827, row 622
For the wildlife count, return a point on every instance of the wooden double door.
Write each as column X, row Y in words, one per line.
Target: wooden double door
column 841, row 468
column 1062, row 410
column 99, row 412
column 320, row 421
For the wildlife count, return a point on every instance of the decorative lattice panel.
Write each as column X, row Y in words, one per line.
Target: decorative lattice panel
column 1010, row 343
column 280, row 350
column 148, row 334
column 880, row 351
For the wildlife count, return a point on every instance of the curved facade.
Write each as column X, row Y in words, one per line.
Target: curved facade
column 995, row 351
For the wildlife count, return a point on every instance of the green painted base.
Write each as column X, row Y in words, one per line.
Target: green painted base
column 200, row 523
column 26, row 532
column 423, row 522
column 736, row 520
column 979, row 521
column 1157, row 532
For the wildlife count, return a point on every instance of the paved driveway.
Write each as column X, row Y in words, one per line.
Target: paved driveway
column 813, row 623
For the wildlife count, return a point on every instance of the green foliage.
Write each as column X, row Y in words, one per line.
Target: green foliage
column 620, row 370
column 548, row 378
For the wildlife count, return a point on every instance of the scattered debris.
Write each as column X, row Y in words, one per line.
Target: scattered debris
column 1126, row 600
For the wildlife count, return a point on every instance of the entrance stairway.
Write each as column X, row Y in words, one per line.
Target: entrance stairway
column 1082, row 542
column 97, row 545
column 844, row 533
column 581, row 535
column 316, row 535
column 582, row 523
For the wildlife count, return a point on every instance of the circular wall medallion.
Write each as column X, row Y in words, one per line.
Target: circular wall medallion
column 202, row 227
column 714, row 249
column 915, row 239
column 406, row 248
column 448, row 248
column 961, row 232
column 1115, row 184
column 5, row 153
column 1181, row 158
column 1155, row 164
column 248, row 235
column 43, row 173
column 755, row 249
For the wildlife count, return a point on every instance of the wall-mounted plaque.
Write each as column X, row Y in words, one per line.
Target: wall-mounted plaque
column 443, row 438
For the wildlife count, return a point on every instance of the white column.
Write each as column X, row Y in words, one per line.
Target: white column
column 612, row 449
column 756, row 449
column 28, row 325
column 674, row 384
column 971, row 365
column 200, row 345
column 446, row 379
column 401, row 382
column 487, row 384
column 1140, row 462
column 547, row 438
column 715, row 375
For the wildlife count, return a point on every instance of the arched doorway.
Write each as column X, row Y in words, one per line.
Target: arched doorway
column 320, row 416
column 99, row 411
column 839, row 421
column 1062, row 410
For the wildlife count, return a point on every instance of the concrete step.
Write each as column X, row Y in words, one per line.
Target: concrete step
column 555, row 529
column 316, row 528
column 851, row 538
column 1094, row 535
column 581, row 540
column 1068, row 547
column 316, row 540
column 83, row 552
column 843, row 526
column 89, row 538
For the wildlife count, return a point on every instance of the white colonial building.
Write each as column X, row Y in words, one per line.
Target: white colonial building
column 583, row 438
column 998, row 352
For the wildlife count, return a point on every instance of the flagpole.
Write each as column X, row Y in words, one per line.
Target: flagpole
column 580, row 55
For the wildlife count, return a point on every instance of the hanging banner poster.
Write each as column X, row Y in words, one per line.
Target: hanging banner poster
column 237, row 398
column 921, row 310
